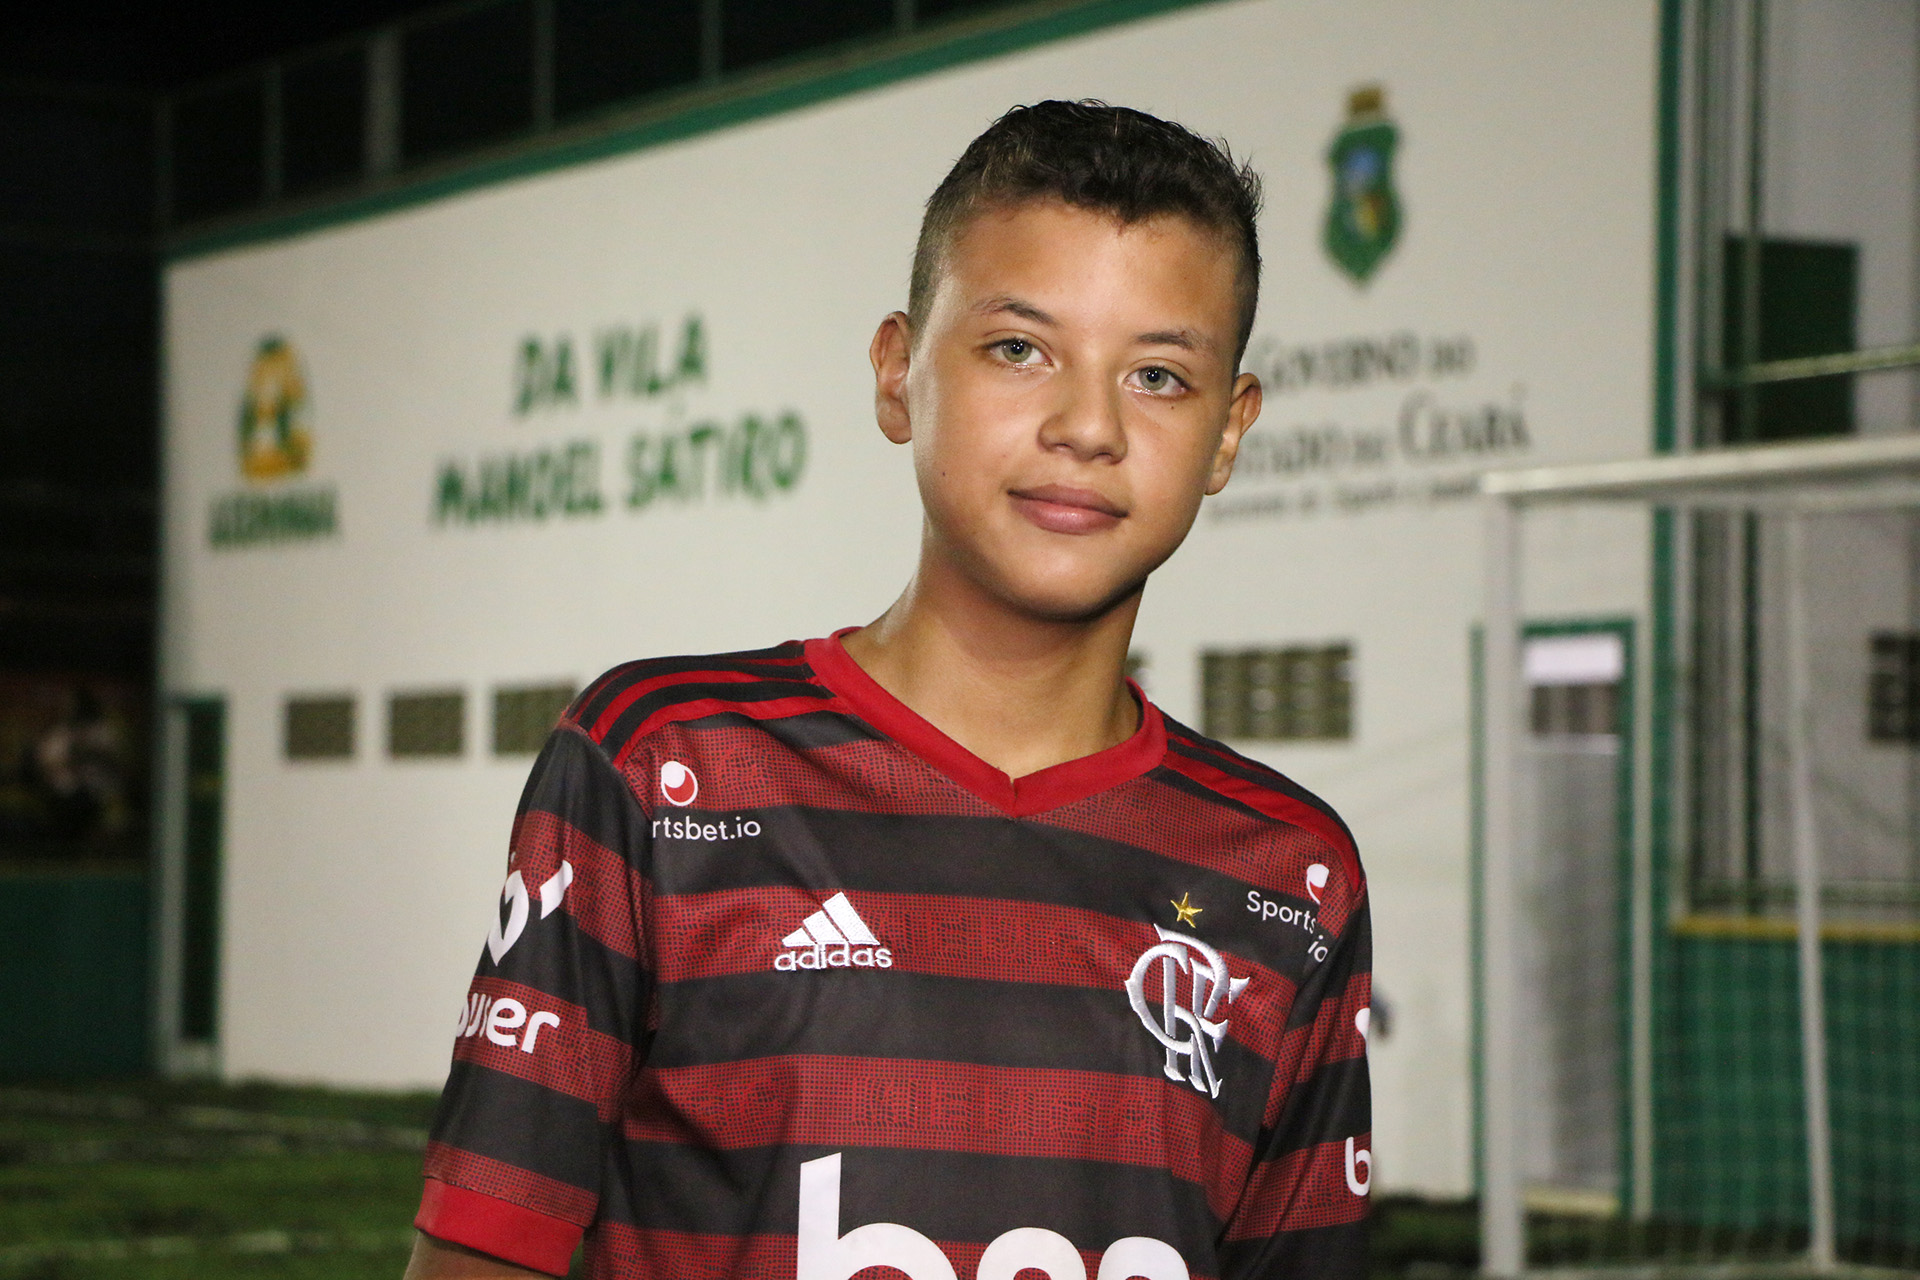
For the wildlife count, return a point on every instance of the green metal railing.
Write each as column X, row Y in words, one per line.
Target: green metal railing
column 1869, row 360
column 343, row 119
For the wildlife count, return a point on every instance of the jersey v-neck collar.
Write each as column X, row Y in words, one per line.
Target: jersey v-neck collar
column 1020, row 797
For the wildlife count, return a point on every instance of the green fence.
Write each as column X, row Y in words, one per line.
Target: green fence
column 74, row 973
column 1730, row 1155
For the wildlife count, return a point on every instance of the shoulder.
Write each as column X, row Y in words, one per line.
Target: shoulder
column 1239, row 780
column 625, row 704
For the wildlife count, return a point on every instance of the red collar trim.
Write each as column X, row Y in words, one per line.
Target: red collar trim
column 1022, row 797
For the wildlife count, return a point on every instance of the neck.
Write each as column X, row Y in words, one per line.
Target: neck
column 1022, row 693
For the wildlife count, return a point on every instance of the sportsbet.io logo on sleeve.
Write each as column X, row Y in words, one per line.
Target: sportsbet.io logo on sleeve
column 275, row 447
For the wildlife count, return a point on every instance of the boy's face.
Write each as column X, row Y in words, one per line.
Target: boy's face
column 1070, row 399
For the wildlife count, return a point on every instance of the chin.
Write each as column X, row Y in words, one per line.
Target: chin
column 1070, row 602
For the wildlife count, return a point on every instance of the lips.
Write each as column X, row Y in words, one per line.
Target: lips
column 1060, row 508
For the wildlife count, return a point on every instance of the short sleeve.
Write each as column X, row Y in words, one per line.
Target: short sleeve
column 1302, row 1213
column 553, row 1022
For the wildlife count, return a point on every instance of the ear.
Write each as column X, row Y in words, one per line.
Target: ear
column 1241, row 414
column 892, row 353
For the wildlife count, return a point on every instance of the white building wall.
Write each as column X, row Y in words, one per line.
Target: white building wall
column 356, row 894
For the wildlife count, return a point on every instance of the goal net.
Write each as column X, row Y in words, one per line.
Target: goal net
column 1699, row 872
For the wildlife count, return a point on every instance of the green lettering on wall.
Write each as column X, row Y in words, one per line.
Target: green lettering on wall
column 520, row 487
column 543, row 375
column 450, row 495
column 527, row 376
column 628, row 360
column 249, row 519
column 692, row 366
column 750, row 457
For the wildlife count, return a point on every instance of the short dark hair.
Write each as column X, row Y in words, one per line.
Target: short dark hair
column 1112, row 160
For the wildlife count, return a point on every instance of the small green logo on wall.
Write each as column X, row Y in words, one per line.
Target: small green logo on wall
column 1364, row 219
column 274, row 440
column 275, row 445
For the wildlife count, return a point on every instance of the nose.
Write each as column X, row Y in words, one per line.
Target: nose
column 1086, row 421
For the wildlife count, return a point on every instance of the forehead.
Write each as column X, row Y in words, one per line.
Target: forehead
column 1164, row 260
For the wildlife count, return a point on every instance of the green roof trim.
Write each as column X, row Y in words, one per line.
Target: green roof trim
column 837, row 76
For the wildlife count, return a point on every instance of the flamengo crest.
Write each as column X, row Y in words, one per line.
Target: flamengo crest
column 1194, row 1028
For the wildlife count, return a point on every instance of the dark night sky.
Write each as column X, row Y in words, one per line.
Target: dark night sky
column 148, row 46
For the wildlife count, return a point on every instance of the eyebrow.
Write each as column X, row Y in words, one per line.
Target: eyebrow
column 1185, row 339
column 1014, row 306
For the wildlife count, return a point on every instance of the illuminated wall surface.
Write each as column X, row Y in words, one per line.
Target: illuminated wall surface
column 514, row 435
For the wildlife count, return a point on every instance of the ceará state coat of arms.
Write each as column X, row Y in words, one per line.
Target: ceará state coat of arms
column 1363, row 220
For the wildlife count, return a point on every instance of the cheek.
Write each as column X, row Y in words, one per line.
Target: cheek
column 965, row 442
column 1184, row 465
column 953, row 476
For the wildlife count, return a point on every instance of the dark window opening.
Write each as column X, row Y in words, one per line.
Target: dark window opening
column 934, row 10
column 1299, row 693
column 319, row 728
column 1893, row 689
column 426, row 724
column 524, row 715
column 1557, row 710
column 219, row 152
column 466, row 80
column 323, row 114
column 1807, row 304
column 609, row 51
column 757, row 31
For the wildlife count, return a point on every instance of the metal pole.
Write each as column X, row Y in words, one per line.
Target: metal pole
column 543, row 65
column 1640, row 901
column 1502, row 1225
column 1756, row 214
column 273, row 134
column 1806, row 868
column 163, row 191
column 1710, row 223
column 384, row 74
column 710, row 40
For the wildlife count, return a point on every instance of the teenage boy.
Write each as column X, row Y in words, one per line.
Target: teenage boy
column 934, row 945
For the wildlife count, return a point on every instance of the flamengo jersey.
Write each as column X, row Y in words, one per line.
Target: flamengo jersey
column 787, row 984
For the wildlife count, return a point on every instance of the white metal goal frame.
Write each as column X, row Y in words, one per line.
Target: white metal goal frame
column 1787, row 480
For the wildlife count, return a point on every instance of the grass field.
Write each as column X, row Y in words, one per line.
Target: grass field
column 204, row 1181
column 211, row 1182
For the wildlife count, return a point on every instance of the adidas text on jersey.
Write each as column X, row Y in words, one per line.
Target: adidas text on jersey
column 834, row 937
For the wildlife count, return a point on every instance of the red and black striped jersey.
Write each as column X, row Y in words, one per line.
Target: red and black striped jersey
column 788, row 984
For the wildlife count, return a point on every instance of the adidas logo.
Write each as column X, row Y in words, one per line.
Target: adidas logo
column 834, row 937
